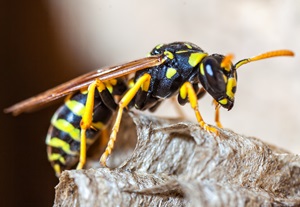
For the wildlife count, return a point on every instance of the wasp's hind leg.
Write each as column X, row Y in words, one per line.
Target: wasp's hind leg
column 187, row 91
column 87, row 118
column 142, row 83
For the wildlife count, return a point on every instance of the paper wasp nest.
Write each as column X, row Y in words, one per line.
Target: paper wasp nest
column 174, row 163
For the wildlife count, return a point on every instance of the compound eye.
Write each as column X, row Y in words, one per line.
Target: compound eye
column 214, row 75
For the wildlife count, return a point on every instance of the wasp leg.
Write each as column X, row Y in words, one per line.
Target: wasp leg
column 143, row 83
column 187, row 91
column 86, row 121
column 217, row 114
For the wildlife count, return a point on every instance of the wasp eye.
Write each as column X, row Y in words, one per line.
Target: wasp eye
column 209, row 70
column 214, row 75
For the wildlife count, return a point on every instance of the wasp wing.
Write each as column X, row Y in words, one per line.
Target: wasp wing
column 81, row 82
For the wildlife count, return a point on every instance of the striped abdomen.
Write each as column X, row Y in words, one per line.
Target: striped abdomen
column 63, row 138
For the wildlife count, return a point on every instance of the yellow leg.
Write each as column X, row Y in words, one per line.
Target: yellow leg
column 86, row 121
column 217, row 114
column 143, row 83
column 188, row 90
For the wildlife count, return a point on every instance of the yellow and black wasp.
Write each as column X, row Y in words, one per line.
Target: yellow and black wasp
column 179, row 69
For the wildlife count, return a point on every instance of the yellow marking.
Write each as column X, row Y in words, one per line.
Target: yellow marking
column 202, row 69
column 57, row 169
column 183, row 92
column 223, row 101
column 195, row 58
column 58, row 143
column 108, row 84
column 188, row 46
column 146, row 84
column 76, row 107
column 181, row 51
column 98, row 125
column 170, row 72
column 148, row 54
column 56, row 156
column 225, row 78
column 67, row 127
column 100, row 86
column 169, row 55
column 159, row 46
column 131, row 83
column 109, row 88
column 230, row 84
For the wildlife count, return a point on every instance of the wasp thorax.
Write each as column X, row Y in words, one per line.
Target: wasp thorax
column 219, row 81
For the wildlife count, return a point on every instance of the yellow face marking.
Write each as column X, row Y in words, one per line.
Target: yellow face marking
column 230, row 85
column 169, row 55
column 67, row 127
column 225, row 78
column 188, row 46
column 76, row 107
column 195, row 58
column 170, row 72
column 223, row 101
column 202, row 69
column 58, row 143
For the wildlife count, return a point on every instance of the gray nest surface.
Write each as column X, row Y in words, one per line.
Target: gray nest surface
column 163, row 162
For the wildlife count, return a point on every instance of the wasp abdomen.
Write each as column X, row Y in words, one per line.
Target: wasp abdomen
column 63, row 138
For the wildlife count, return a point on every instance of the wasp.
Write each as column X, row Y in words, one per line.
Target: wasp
column 179, row 69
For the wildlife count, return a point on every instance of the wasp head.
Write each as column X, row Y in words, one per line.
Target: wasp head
column 218, row 77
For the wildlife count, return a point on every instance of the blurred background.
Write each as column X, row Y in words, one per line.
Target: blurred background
column 46, row 43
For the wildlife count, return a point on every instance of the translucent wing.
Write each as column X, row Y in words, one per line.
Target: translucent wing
column 81, row 82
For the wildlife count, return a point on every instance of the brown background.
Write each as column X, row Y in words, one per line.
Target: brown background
column 31, row 62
